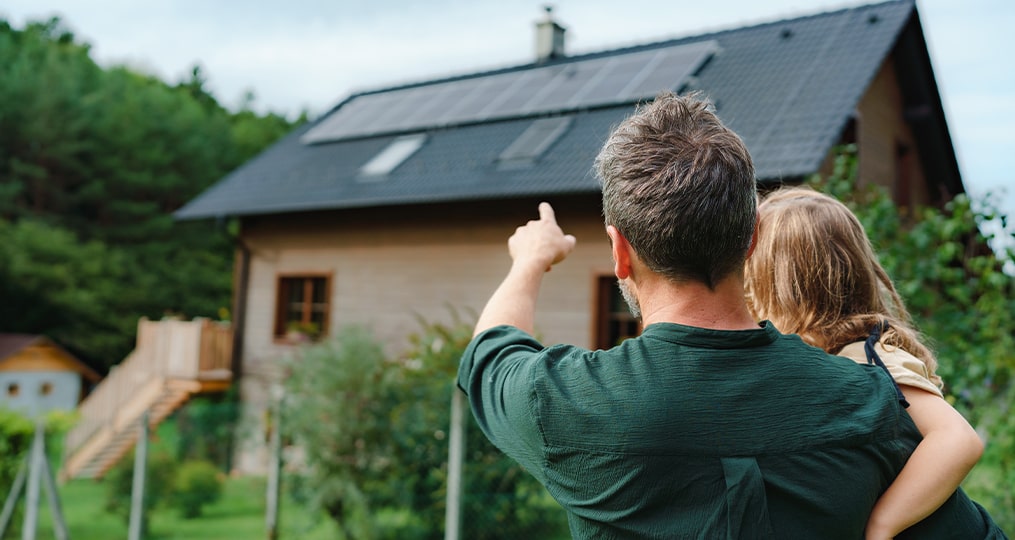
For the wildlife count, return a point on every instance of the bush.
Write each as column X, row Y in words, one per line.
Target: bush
column 336, row 406
column 374, row 433
column 206, row 427
column 16, row 433
column 198, row 483
column 161, row 474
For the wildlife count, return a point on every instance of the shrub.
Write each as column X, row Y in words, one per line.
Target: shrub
column 336, row 408
column 206, row 426
column 161, row 473
column 198, row 483
column 374, row 432
column 16, row 433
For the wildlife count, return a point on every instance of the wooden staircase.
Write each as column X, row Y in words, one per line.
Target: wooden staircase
column 173, row 360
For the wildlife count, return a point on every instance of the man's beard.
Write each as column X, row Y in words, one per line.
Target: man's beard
column 630, row 298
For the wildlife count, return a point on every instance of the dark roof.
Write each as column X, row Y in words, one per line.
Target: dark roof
column 788, row 88
column 13, row 343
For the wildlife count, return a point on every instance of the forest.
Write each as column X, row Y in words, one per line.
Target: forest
column 93, row 161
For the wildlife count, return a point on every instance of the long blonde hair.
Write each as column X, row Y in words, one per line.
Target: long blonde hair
column 814, row 273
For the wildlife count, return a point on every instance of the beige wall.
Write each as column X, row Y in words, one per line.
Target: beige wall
column 880, row 126
column 387, row 266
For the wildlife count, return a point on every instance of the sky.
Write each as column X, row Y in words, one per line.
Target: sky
column 309, row 54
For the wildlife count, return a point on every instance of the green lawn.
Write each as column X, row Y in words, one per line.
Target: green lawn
column 238, row 515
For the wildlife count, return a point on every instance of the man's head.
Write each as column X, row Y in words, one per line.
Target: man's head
column 680, row 187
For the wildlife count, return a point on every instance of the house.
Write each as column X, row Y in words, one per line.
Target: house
column 38, row 376
column 398, row 201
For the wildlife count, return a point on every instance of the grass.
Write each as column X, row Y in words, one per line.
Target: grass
column 239, row 514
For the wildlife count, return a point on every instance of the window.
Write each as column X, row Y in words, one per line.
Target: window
column 302, row 306
column 392, row 156
column 46, row 388
column 533, row 142
column 13, row 389
column 614, row 322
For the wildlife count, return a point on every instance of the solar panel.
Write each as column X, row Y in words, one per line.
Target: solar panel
column 612, row 79
column 473, row 107
column 447, row 102
column 568, row 82
column 425, row 101
column 666, row 71
column 594, row 82
column 515, row 98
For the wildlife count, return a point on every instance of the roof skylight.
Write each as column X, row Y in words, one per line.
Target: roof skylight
column 393, row 155
column 534, row 141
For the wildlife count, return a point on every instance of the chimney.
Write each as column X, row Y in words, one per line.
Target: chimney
column 549, row 37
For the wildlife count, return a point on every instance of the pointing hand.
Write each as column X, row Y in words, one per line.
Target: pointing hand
column 541, row 242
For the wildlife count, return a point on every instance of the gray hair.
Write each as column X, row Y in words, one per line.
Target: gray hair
column 680, row 186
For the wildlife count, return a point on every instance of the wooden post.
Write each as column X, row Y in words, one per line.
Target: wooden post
column 456, row 458
column 35, row 463
column 137, row 510
column 275, row 466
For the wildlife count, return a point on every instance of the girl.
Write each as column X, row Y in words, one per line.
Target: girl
column 814, row 273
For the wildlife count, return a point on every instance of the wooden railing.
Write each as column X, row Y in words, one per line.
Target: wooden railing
column 198, row 350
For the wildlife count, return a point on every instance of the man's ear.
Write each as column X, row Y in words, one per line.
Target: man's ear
column 754, row 240
column 621, row 252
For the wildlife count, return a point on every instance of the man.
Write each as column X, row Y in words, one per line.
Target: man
column 708, row 425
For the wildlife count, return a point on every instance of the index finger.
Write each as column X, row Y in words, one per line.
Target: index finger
column 546, row 212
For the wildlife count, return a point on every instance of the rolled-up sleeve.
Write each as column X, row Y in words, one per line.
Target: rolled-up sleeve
column 497, row 374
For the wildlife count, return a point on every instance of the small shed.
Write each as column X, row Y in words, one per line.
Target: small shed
column 38, row 376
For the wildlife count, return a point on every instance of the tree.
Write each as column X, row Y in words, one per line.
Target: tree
column 53, row 283
column 963, row 301
column 103, row 157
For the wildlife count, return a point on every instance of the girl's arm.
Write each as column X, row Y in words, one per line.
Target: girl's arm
column 948, row 451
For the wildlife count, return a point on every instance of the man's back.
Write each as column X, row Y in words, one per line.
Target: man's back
column 687, row 432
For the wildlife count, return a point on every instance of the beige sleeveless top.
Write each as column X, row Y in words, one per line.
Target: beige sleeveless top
column 905, row 368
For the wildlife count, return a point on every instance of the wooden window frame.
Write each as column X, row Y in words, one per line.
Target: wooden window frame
column 280, row 330
column 604, row 316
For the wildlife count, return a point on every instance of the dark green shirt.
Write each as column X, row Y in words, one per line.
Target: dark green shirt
column 692, row 433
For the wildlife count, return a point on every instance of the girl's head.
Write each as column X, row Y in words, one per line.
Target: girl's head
column 814, row 273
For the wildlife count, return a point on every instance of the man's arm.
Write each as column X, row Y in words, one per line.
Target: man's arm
column 534, row 248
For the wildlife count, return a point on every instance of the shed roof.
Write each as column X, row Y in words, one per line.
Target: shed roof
column 788, row 88
column 11, row 344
